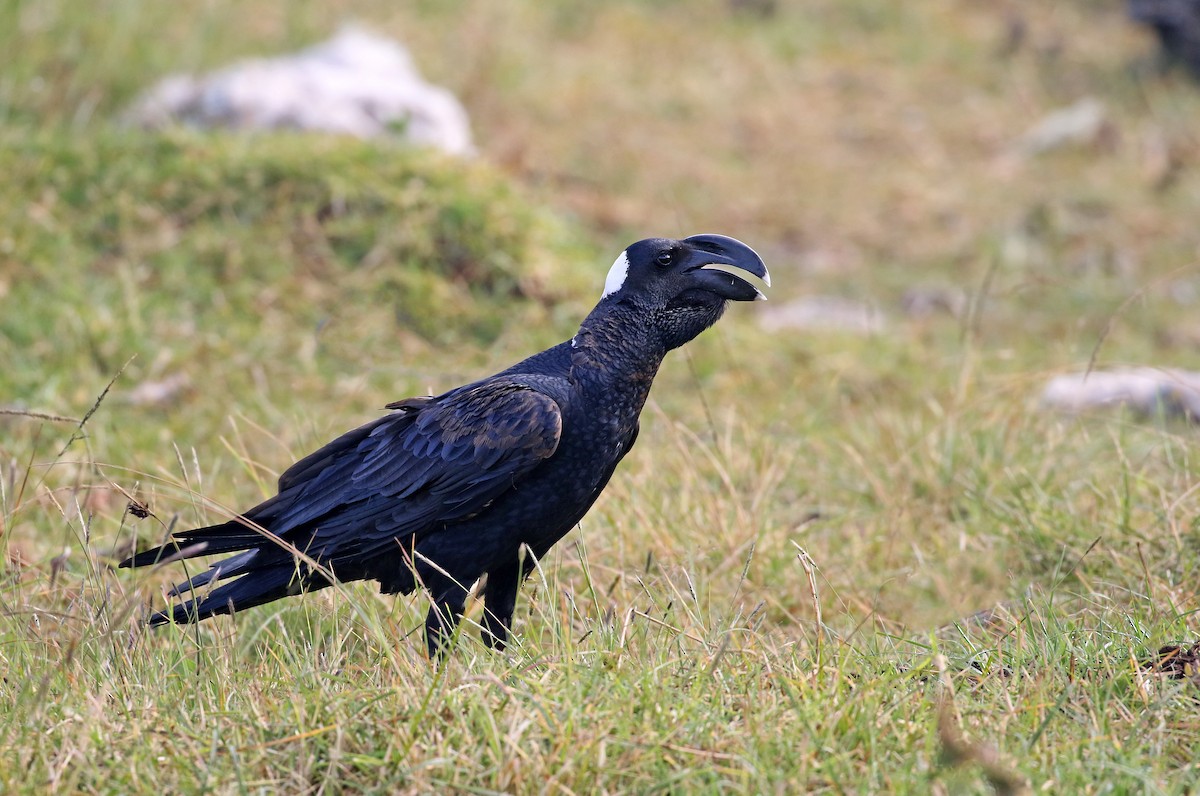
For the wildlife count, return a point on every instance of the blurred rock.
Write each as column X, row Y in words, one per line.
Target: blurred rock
column 1177, row 25
column 925, row 301
column 764, row 9
column 823, row 313
column 830, row 257
column 357, row 83
column 1146, row 391
column 1081, row 124
column 161, row 391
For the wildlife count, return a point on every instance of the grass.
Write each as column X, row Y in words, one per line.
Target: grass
column 834, row 563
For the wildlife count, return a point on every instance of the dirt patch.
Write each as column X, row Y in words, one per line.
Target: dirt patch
column 1176, row 662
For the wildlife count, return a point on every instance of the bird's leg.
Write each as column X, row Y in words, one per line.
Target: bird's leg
column 500, row 599
column 499, row 602
column 445, row 611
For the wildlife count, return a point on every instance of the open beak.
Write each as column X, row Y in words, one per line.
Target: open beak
column 730, row 268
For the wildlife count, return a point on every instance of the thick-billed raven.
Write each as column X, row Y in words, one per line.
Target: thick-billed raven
column 448, row 488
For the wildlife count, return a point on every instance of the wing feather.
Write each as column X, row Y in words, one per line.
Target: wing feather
column 454, row 457
column 433, row 461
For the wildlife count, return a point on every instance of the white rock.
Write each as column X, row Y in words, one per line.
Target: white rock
column 823, row 313
column 1081, row 123
column 1143, row 390
column 357, row 83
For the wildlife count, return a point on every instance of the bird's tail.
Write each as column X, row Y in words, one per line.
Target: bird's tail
column 225, row 537
column 263, row 569
column 253, row 588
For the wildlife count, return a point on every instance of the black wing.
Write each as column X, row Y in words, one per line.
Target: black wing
column 434, row 461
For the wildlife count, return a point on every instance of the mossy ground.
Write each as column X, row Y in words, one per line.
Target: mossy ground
column 899, row 484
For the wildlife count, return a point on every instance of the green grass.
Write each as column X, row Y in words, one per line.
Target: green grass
column 782, row 588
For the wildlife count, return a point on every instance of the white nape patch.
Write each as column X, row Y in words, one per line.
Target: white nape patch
column 616, row 275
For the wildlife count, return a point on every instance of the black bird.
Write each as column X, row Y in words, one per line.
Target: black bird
column 1177, row 25
column 448, row 488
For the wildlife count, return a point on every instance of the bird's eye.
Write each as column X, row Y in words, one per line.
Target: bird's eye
column 666, row 258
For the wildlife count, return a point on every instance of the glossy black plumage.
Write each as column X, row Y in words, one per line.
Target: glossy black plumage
column 449, row 488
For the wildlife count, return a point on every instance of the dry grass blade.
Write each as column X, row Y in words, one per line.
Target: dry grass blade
column 39, row 416
column 958, row 751
column 810, row 568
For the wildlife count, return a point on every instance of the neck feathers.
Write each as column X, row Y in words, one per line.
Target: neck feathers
column 612, row 346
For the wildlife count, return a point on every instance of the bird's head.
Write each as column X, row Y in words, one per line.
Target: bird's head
column 683, row 285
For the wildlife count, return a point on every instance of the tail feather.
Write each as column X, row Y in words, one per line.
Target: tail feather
column 227, row 537
column 254, row 588
column 170, row 551
column 262, row 569
column 226, row 568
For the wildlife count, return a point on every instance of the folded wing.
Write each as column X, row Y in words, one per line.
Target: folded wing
column 433, row 461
